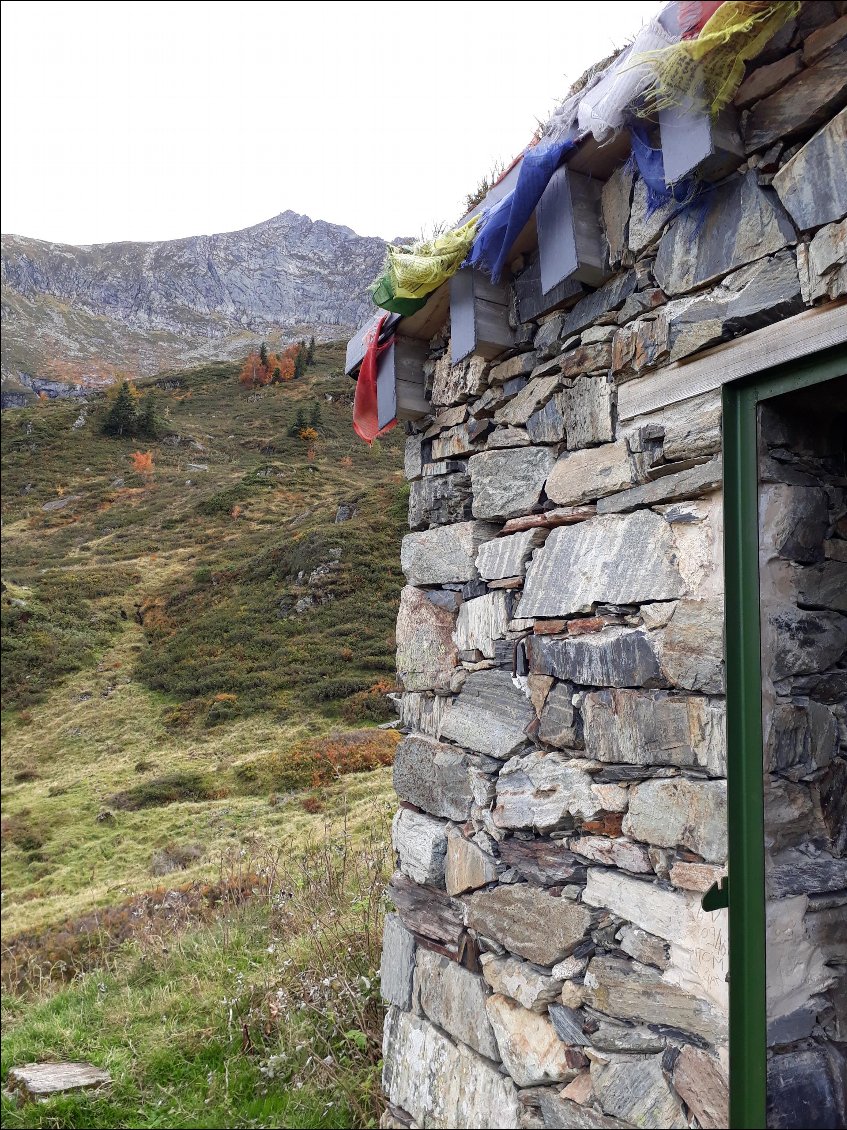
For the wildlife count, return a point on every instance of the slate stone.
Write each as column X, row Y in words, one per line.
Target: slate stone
column 800, row 738
column 535, row 394
column 807, row 1087
column 543, row 862
column 544, row 791
column 438, row 500
column 693, row 482
column 812, row 185
column 617, row 987
column 467, row 867
column 617, row 657
column 765, row 80
column 803, row 103
column 743, row 222
column 563, row 1114
column 614, row 559
column 444, row 555
column 584, row 359
column 421, row 845
column 398, row 962
column 529, row 922
column 441, row 1083
column 613, row 852
column 481, row 622
column 454, row 998
column 654, row 728
column 609, row 296
column 583, row 476
column 426, row 911
column 798, row 875
column 833, row 799
column 643, row 946
column 629, row 1040
column 531, row 986
column 39, row 1082
column 692, row 647
column 560, row 722
column 507, row 556
column 521, row 365
column 507, row 437
column 453, row 384
column 803, row 642
column 637, row 1091
column 822, row 264
column 646, row 223
column 797, row 520
column 531, row 1050
column 680, row 813
column 509, row 482
column 426, row 653
column 421, row 712
column 587, row 411
column 489, row 715
column 433, row 776
column 547, row 425
column 568, row 1024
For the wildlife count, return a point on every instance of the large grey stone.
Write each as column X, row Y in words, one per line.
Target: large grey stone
column 467, row 867
column 547, row 425
column 587, row 411
column 702, row 1085
column 620, row 988
column 744, row 222
column 691, row 650
column 531, row 1050
column 426, row 652
column 559, row 719
column 822, row 263
column 509, row 482
column 802, row 642
column 413, row 460
column 396, row 970
column 803, row 103
column 481, row 622
column 442, row 1084
column 616, row 657
column 614, row 210
column 631, row 727
column 445, row 555
column 680, row 813
column 528, row 984
column 507, row 556
column 563, row 1114
column 637, row 1091
column 421, row 712
column 807, row 1087
column 529, row 922
column 453, row 384
column 796, row 518
column 421, row 844
column 544, row 791
column 801, row 737
column 535, row 394
column 454, row 999
column 693, row 482
column 615, row 559
column 427, row 911
column 609, row 296
column 613, row 852
column 824, row 586
column 489, row 715
column 439, row 499
column 544, row 862
column 433, row 776
column 40, row 1082
column 582, row 476
column 645, row 222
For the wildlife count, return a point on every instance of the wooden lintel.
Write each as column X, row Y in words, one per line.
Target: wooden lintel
column 809, row 332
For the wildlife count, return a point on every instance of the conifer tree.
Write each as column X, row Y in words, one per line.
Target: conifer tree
column 315, row 417
column 300, row 422
column 122, row 417
column 263, row 355
column 299, row 363
column 277, row 376
column 148, row 424
column 310, row 353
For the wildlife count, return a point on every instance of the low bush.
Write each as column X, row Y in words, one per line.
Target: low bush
column 167, row 789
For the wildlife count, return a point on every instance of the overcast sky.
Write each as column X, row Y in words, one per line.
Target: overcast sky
column 153, row 120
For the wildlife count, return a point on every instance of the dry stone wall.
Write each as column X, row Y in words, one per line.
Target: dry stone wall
column 562, row 785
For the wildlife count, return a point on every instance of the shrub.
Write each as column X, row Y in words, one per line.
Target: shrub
column 167, row 789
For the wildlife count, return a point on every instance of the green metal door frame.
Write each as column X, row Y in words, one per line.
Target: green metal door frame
column 745, row 799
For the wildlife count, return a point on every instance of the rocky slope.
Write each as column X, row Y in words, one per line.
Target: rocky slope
column 78, row 314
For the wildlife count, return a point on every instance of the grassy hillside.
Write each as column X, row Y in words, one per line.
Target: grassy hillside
column 194, row 663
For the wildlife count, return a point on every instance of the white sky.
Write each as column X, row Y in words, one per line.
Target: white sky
column 137, row 121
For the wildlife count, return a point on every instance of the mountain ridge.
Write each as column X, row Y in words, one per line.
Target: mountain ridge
column 76, row 314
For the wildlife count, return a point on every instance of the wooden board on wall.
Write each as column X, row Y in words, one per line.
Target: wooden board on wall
column 571, row 243
column 479, row 316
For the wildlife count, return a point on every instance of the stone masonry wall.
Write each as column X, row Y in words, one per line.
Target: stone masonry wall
column 803, row 469
column 562, row 784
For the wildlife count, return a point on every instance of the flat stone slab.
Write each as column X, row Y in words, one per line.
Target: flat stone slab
column 615, row 559
column 507, row 556
column 508, row 482
column 529, row 922
column 812, row 185
column 444, row 555
column 618, row 657
column 40, row 1081
column 489, row 716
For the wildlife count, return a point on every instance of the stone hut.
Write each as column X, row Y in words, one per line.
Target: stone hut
column 623, row 641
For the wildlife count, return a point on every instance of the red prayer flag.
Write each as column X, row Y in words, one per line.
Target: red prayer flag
column 365, row 410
